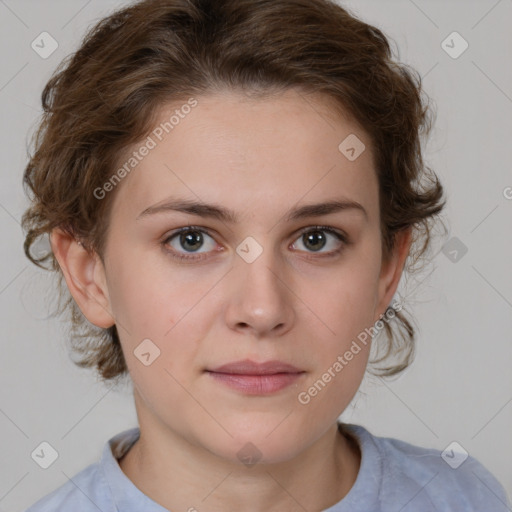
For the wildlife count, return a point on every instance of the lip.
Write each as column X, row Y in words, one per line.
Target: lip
column 249, row 367
column 253, row 378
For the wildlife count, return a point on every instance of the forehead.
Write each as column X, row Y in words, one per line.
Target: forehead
column 246, row 151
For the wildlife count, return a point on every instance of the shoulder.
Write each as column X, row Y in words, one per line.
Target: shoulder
column 86, row 491
column 99, row 486
column 421, row 478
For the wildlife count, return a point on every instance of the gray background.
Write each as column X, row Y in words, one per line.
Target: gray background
column 460, row 385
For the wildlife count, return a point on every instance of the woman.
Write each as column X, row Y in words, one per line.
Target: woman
column 232, row 190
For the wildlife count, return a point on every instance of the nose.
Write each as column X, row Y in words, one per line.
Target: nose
column 261, row 299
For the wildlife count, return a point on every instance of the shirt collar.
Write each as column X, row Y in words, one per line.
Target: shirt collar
column 366, row 489
column 126, row 496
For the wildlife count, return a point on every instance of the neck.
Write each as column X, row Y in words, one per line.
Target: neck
column 181, row 476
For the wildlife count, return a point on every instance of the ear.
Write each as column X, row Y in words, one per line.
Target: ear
column 391, row 270
column 85, row 277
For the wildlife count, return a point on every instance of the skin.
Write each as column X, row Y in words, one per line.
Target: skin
column 259, row 158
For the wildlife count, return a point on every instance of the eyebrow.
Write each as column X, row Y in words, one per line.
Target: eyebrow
column 225, row 215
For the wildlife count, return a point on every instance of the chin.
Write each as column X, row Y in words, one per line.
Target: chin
column 259, row 444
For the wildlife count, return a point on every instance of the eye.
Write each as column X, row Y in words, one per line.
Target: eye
column 193, row 243
column 320, row 237
column 189, row 241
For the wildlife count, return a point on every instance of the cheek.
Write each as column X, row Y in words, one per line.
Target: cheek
column 162, row 313
column 346, row 300
column 148, row 299
column 340, row 355
column 345, row 304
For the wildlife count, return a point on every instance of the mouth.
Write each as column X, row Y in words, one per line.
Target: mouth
column 254, row 378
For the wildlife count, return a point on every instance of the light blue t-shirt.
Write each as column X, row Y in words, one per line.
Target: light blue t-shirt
column 394, row 476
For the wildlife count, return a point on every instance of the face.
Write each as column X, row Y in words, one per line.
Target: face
column 255, row 276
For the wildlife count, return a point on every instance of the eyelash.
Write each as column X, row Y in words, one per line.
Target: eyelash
column 178, row 256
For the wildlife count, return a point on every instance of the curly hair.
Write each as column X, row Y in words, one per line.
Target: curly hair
column 105, row 97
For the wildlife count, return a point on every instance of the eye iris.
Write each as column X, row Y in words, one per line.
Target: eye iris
column 313, row 238
column 195, row 238
column 192, row 240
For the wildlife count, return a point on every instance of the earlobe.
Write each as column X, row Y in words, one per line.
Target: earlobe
column 85, row 277
column 391, row 270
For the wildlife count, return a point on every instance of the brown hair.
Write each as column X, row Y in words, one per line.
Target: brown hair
column 106, row 96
